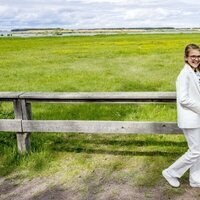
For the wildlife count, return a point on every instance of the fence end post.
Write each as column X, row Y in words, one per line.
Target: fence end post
column 22, row 110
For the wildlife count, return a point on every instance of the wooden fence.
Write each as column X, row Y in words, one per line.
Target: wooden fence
column 23, row 124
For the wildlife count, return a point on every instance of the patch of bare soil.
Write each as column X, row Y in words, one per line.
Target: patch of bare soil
column 190, row 194
column 11, row 189
column 47, row 188
column 118, row 192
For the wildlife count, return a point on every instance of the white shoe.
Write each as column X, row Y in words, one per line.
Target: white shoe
column 173, row 181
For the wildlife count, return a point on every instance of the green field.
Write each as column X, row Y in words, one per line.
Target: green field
column 89, row 163
column 95, row 63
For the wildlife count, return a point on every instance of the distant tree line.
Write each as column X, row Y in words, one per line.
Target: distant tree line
column 62, row 29
column 36, row 29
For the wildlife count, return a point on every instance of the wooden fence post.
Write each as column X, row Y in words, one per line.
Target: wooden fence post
column 22, row 110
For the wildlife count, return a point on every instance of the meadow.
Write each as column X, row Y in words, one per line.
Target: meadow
column 90, row 164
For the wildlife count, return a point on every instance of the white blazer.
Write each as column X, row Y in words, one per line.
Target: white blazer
column 188, row 98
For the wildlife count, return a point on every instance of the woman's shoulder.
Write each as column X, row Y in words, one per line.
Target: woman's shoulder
column 183, row 73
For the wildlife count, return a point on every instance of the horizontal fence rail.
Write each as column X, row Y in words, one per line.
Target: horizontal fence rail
column 24, row 125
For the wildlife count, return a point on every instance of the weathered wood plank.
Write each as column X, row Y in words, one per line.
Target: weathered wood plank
column 17, row 109
column 100, row 96
column 9, row 96
column 11, row 125
column 26, row 110
column 99, row 126
column 22, row 111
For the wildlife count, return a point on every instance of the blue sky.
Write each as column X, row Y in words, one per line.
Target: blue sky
column 74, row 14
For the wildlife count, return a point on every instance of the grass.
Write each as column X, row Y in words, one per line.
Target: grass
column 97, row 63
column 83, row 63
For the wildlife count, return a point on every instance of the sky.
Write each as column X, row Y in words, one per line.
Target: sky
column 80, row 14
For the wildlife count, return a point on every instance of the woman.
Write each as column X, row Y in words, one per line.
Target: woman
column 188, row 111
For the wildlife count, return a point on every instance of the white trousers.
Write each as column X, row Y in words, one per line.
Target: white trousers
column 190, row 160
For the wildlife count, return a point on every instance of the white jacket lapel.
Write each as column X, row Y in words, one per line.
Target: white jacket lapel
column 193, row 75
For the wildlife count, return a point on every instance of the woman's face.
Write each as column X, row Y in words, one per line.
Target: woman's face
column 193, row 58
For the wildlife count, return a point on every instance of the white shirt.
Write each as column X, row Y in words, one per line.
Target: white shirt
column 198, row 75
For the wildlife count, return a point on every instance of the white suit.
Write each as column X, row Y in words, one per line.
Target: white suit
column 188, row 113
column 188, row 98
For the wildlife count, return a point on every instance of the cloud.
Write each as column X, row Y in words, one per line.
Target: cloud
column 98, row 13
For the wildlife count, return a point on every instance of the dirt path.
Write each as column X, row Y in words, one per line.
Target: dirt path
column 45, row 188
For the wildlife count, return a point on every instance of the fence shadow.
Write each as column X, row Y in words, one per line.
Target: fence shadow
column 83, row 143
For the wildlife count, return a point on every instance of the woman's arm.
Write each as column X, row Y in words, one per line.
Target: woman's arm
column 182, row 92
